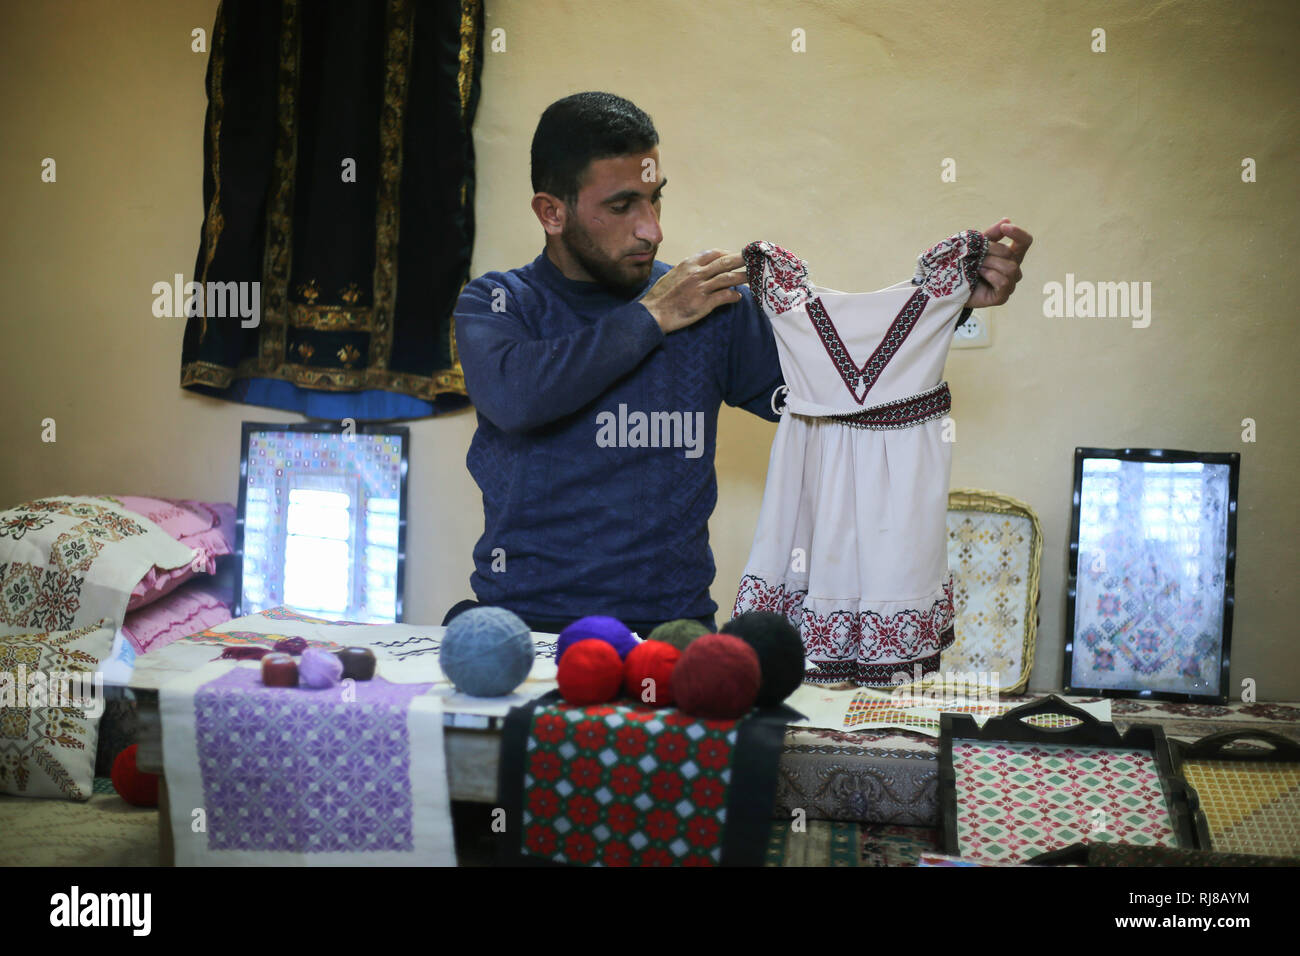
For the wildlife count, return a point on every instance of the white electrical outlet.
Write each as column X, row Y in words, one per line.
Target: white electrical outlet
column 973, row 333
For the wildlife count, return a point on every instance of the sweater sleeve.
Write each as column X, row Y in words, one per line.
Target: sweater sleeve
column 520, row 382
column 753, row 364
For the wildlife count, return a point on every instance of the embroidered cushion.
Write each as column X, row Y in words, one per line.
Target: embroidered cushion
column 71, row 561
column 49, row 725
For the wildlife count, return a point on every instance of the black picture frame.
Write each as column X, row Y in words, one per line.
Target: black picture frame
column 341, row 429
column 1232, row 460
column 1089, row 732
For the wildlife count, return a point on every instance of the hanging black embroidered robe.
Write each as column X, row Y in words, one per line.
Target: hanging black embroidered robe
column 339, row 175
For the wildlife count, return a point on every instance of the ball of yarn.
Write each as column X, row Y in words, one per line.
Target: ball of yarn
column 319, row 668
column 718, row 676
column 358, row 662
column 131, row 783
column 651, row 661
column 290, row 645
column 487, row 652
column 608, row 629
column 279, row 670
column 680, row 633
column 590, row 672
column 780, row 652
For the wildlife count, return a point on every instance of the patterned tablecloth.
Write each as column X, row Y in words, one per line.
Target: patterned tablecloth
column 349, row 775
column 625, row 784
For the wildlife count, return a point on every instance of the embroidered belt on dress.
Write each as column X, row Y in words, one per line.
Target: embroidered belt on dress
column 903, row 412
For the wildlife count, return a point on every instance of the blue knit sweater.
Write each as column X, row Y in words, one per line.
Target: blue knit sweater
column 574, row 388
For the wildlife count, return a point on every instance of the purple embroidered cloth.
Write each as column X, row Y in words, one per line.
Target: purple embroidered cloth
column 305, row 771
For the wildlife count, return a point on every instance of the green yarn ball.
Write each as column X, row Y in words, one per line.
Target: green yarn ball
column 679, row 633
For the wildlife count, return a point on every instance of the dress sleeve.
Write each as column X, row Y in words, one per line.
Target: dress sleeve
column 520, row 382
column 753, row 363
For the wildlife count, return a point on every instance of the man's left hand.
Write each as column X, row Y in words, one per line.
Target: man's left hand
column 1001, row 268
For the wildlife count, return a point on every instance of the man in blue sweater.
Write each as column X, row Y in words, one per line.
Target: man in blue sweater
column 597, row 374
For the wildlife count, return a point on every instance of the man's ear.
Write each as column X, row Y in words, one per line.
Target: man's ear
column 551, row 212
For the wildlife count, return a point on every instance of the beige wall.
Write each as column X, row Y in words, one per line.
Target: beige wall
column 1124, row 165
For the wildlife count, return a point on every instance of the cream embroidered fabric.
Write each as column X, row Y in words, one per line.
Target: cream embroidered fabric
column 851, row 543
column 50, row 710
column 67, row 562
column 995, row 545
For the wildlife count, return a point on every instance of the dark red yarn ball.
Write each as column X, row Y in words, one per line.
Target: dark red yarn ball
column 718, row 677
column 590, row 672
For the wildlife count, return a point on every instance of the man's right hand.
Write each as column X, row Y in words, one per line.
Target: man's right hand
column 695, row 287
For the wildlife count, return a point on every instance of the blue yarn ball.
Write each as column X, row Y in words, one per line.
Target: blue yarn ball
column 487, row 652
column 608, row 629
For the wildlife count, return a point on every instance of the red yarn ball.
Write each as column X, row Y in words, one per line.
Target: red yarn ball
column 653, row 660
column 718, row 677
column 590, row 672
column 132, row 784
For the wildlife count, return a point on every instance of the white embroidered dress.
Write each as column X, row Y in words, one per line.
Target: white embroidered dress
column 851, row 543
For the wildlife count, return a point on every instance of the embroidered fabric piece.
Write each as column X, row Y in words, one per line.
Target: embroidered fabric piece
column 47, row 736
column 623, row 784
column 904, row 413
column 326, row 745
column 1018, row 800
column 777, row 278
column 851, row 543
column 1250, row 807
column 612, row 757
column 303, row 777
column 1148, row 617
column 70, row 562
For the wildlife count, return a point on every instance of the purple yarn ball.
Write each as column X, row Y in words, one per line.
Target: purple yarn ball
column 608, row 629
column 319, row 668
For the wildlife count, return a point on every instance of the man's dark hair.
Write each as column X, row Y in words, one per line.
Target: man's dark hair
column 584, row 127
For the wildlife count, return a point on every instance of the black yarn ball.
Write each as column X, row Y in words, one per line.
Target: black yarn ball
column 779, row 648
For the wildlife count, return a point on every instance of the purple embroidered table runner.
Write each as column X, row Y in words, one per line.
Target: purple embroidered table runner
column 347, row 775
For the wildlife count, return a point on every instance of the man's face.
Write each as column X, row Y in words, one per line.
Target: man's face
column 613, row 233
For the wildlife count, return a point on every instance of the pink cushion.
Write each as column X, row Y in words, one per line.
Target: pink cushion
column 186, row 611
column 207, row 528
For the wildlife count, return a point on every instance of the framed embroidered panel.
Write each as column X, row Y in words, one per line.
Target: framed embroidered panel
column 322, row 520
column 995, row 545
column 1249, row 796
column 1014, row 790
column 1150, row 589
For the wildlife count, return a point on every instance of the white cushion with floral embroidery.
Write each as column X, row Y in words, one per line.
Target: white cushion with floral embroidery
column 67, row 562
column 50, row 705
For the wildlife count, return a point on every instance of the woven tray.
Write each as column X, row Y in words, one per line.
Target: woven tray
column 1249, row 798
column 1011, row 791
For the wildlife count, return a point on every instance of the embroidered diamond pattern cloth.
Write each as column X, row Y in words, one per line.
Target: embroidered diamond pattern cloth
column 1016, row 801
column 624, row 784
column 851, row 543
column 352, row 775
